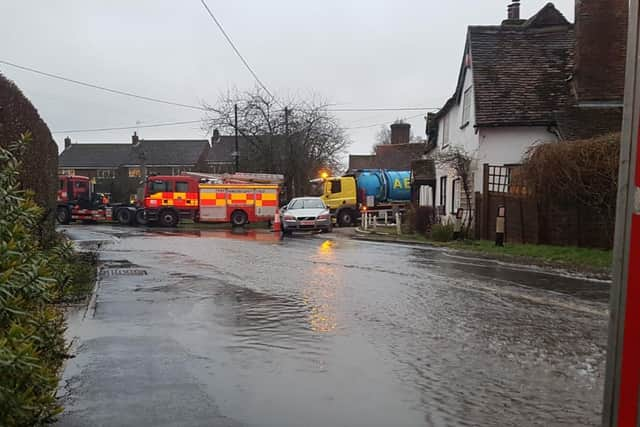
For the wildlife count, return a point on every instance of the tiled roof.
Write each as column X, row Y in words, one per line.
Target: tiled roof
column 521, row 72
column 583, row 123
column 152, row 152
column 222, row 150
column 399, row 156
column 94, row 156
column 170, row 152
column 362, row 161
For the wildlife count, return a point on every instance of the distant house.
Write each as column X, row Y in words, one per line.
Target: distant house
column 222, row 155
column 519, row 85
column 118, row 168
column 397, row 155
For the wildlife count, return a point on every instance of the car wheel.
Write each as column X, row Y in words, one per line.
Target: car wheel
column 239, row 218
column 345, row 218
column 169, row 218
column 63, row 216
column 326, row 230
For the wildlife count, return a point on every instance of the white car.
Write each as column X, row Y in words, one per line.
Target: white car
column 306, row 214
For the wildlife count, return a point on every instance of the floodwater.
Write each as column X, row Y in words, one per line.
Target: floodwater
column 212, row 328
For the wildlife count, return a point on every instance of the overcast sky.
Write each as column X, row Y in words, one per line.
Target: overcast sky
column 355, row 53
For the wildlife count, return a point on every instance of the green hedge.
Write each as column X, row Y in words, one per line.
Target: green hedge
column 33, row 280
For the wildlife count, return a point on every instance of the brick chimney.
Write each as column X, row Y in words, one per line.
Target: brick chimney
column 134, row 138
column 601, row 39
column 67, row 143
column 400, row 133
column 513, row 11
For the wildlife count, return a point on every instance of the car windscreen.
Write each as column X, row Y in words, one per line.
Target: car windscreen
column 307, row 204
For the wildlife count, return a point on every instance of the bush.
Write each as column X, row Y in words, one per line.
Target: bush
column 32, row 279
column 442, row 232
column 424, row 218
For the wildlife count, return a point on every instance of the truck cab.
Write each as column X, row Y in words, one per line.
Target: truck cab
column 169, row 198
column 72, row 187
column 340, row 194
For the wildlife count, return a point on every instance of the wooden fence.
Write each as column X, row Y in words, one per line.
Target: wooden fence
column 529, row 221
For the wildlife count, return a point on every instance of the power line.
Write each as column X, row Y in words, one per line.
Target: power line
column 155, row 125
column 362, row 110
column 103, row 88
column 380, row 124
column 235, row 49
column 190, row 106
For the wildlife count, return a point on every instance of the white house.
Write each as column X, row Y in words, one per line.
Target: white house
column 512, row 80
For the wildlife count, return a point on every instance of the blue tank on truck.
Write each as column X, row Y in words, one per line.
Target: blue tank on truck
column 385, row 185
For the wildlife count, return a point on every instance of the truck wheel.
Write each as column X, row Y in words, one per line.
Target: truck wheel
column 124, row 216
column 63, row 216
column 345, row 218
column 141, row 217
column 239, row 218
column 169, row 218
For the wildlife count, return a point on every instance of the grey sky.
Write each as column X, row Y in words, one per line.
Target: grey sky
column 373, row 53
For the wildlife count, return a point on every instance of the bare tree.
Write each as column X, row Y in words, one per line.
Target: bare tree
column 461, row 162
column 383, row 136
column 297, row 140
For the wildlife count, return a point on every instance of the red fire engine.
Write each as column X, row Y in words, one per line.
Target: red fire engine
column 238, row 199
column 77, row 201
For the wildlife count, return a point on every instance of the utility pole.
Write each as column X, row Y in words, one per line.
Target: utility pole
column 622, row 382
column 237, row 151
column 290, row 162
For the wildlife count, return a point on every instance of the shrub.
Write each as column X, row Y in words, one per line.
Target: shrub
column 442, row 232
column 582, row 173
column 32, row 278
column 424, row 218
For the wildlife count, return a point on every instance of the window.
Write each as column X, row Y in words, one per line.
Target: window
column 445, row 131
column 61, row 184
column 81, row 185
column 67, row 171
column 182, row 187
column 159, row 187
column 134, row 173
column 466, row 107
column 443, row 192
column 455, row 202
column 105, row 173
column 306, row 204
column 336, row 186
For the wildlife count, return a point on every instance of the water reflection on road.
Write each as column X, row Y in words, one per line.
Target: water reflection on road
column 320, row 331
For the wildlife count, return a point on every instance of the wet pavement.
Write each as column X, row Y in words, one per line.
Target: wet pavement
column 209, row 328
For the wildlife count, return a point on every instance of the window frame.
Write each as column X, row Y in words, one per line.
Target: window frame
column 152, row 189
column 105, row 173
column 466, row 107
column 134, row 172
column 443, row 192
column 456, row 195
column 445, row 131
column 186, row 186
column 336, row 183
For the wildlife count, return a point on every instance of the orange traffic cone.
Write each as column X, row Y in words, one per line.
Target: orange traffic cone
column 277, row 225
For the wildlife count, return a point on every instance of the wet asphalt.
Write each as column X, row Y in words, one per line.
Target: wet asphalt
column 210, row 328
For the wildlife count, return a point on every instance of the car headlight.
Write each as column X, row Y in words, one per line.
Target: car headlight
column 289, row 218
column 324, row 216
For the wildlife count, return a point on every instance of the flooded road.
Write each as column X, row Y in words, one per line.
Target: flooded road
column 213, row 329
